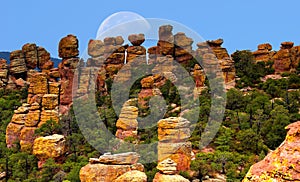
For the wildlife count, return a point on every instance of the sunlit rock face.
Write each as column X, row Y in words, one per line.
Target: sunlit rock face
column 281, row 164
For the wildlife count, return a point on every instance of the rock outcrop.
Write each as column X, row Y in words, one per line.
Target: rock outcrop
column 173, row 134
column 281, row 164
column 111, row 168
column 285, row 60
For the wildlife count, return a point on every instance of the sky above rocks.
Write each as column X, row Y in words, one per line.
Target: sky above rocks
column 242, row 24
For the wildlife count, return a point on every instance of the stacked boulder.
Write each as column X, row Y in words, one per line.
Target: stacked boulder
column 168, row 172
column 127, row 124
column 281, row 164
column 173, row 135
column 264, row 52
column 136, row 52
column 225, row 62
column 114, row 168
column 68, row 51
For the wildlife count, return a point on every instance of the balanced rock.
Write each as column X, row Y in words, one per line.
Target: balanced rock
column 281, row 164
column 68, row 47
column 136, row 39
column 31, row 55
column 120, row 159
column 43, row 56
column 95, row 48
column 287, row 45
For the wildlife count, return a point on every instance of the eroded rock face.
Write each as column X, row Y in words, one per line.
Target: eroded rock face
column 111, row 168
column 281, row 164
column 47, row 147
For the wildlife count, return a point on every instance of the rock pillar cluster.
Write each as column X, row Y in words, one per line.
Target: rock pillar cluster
column 42, row 105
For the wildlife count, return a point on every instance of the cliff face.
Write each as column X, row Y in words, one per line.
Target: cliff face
column 283, row 164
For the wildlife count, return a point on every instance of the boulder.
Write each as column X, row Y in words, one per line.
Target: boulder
column 95, row 48
column 31, row 55
column 281, row 164
column 182, row 40
column 136, row 39
column 53, row 146
column 68, row 47
column 43, row 57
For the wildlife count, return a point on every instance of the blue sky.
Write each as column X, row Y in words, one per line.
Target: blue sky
column 242, row 24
